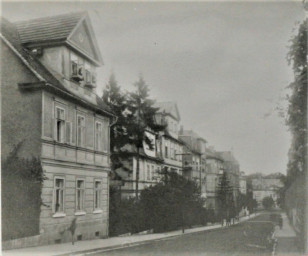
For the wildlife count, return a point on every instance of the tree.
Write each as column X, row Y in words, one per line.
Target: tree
column 117, row 102
column 141, row 118
column 297, row 109
column 225, row 196
column 172, row 203
column 297, row 123
column 268, row 202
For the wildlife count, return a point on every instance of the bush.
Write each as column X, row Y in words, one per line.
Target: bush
column 169, row 205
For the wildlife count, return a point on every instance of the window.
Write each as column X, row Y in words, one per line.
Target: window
column 74, row 64
column 80, row 195
column 105, row 136
column 97, row 194
column 59, row 195
column 94, row 78
column 88, row 73
column 153, row 172
column 98, row 136
column 80, row 130
column 166, row 151
column 148, row 172
column 76, row 68
column 60, row 124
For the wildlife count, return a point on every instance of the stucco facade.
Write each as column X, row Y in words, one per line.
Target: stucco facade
column 61, row 121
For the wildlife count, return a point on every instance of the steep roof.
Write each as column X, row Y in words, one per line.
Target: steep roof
column 213, row 154
column 61, row 29
column 169, row 107
column 10, row 35
column 228, row 156
column 192, row 134
column 48, row 28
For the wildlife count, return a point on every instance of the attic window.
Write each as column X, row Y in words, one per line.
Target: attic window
column 76, row 68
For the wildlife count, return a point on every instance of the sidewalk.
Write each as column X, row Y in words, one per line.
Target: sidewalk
column 100, row 245
column 286, row 239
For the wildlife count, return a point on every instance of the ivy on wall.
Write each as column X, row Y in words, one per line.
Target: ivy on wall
column 22, row 181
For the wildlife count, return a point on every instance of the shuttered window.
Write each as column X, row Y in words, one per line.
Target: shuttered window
column 105, row 139
column 80, row 189
column 71, row 118
column 97, row 194
column 58, row 201
column 48, row 118
column 89, row 131
column 60, row 125
column 80, row 131
column 98, row 136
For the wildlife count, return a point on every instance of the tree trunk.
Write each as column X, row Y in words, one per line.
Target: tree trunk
column 137, row 175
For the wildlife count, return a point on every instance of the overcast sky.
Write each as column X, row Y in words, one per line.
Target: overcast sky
column 223, row 63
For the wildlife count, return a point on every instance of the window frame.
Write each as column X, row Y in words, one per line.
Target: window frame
column 82, row 195
column 98, row 141
column 63, row 126
column 99, row 190
column 59, row 213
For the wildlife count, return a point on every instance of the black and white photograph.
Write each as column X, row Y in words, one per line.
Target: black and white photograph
column 154, row 128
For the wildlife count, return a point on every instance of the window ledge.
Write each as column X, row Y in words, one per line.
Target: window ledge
column 59, row 215
column 80, row 213
column 97, row 211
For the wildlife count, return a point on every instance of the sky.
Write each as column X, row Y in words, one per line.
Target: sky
column 223, row 63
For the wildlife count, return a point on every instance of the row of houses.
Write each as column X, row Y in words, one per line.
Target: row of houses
column 49, row 103
column 262, row 186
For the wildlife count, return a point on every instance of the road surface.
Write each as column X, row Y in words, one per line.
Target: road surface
column 247, row 238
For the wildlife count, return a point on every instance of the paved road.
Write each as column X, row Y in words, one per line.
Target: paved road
column 247, row 238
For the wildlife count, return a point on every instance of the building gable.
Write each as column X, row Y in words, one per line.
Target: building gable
column 82, row 39
column 175, row 111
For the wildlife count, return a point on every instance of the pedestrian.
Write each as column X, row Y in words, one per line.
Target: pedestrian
column 280, row 222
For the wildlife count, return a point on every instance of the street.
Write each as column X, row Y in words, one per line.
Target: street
column 247, row 238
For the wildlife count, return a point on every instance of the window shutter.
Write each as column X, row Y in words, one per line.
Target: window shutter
column 72, row 119
column 89, row 131
column 53, row 199
column 105, row 139
column 48, row 120
column 54, row 136
column 68, row 132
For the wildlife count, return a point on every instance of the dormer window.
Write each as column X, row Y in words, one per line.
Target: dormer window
column 90, row 76
column 76, row 68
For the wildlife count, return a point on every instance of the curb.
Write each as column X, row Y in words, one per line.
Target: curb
column 133, row 244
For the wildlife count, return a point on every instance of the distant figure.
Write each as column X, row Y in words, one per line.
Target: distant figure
column 280, row 221
column 228, row 221
column 222, row 221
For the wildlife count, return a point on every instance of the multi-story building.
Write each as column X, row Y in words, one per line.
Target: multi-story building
column 265, row 186
column 232, row 168
column 214, row 170
column 171, row 147
column 150, row 167
column 243, row 183
column 194, row 164
column 49, row 102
